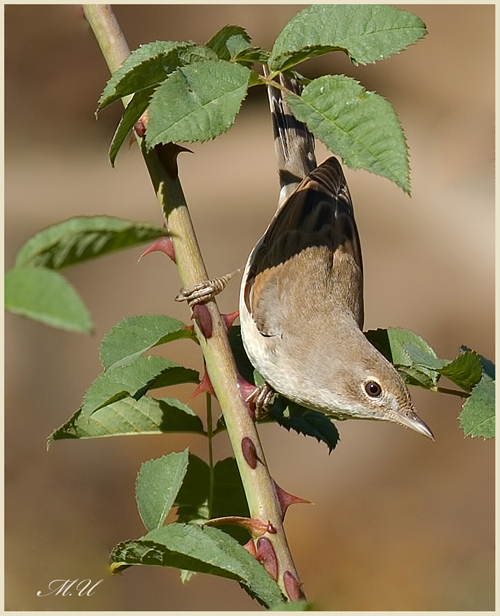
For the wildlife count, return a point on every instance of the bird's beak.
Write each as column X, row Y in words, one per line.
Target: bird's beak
column 415, row 423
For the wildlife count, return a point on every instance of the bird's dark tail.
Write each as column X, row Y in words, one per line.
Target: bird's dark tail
column 293, row 143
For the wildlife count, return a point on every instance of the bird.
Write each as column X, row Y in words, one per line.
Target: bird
column 301, row 296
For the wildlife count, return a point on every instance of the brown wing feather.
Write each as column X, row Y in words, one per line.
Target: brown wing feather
column 318, row 217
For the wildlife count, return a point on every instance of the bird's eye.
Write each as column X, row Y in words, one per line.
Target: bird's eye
column 373, row 389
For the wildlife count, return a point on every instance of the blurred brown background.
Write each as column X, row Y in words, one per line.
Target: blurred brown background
column 399, row 522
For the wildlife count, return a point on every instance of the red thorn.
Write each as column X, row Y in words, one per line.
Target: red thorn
column 267, row 556
column 256, row 527
column 203, row 318
column 250, row 547
column 286, row 499
column 249, row 452
column 292, row 586
column 131, row 141
column 205, row 387
column 229, row 319
column 270, row 529
column 162, row 244
column 246, row 390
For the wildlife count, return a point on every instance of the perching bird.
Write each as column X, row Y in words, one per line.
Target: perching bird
column 301, row 298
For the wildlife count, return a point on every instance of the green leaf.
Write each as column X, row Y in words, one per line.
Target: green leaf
column 478, row 414
column 130, row 417
column 365, row 32
column 205, row 550
column 229, row 498
column 419, row 365
column 146, row 66
column 196, row 53
column 192, row 499
column 360, row 126
column 228, row 495
column 245, row 368
column 395, row 344
column 45, row 296
column 197, row 102
column 82, row 238
column 293, row 606
column 229, row 41
column 249, row 56
column 233, row 43
column 423, row 367
column 134, row 110
column 487, row 365
column 143, row 77
column 136, row 335
column 134, row 379
column 304, row 421
column 420, row 356
column 158, row 483
column 465, row 371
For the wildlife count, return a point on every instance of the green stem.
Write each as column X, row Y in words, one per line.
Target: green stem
column 259, row 487
column 452, row 392
column 108, row 34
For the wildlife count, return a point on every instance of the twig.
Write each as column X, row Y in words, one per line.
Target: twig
column 260, row 489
